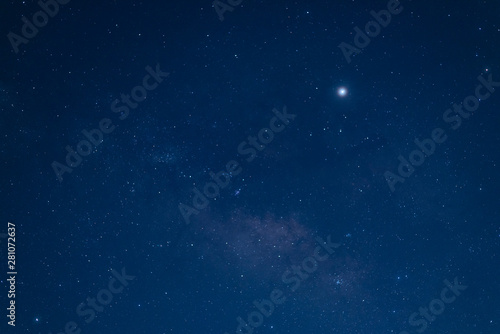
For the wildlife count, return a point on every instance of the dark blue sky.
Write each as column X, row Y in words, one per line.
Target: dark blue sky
column 171, row 169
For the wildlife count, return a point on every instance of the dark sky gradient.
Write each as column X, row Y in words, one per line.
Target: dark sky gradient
column 323, row 175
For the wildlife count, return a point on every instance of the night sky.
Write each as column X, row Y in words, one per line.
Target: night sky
column 250, row 167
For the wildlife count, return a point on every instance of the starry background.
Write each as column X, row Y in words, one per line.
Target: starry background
column 323, row 175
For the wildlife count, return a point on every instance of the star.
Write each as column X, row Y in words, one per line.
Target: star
column 342, row 91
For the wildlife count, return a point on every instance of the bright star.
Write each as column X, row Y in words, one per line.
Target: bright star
column 342, row 91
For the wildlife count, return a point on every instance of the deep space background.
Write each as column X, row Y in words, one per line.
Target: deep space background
column 323, row 175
